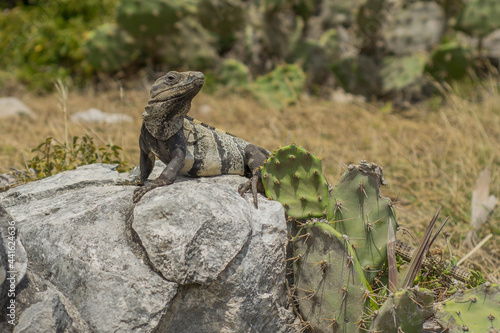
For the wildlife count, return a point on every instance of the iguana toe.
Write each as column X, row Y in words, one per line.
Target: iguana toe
column 139, row 192
column 250, row 185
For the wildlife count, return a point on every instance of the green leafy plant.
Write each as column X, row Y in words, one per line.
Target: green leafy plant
column 53, row 157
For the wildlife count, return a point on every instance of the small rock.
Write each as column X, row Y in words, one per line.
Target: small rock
column 205, row 109
column 97, row 116
column 7, row 181
column 341, row 97
column 12, row 106
column 491, row 44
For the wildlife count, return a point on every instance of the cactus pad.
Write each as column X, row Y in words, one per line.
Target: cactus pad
column 405, row 311
column 329, row 282
column 479, row 17
column 450, row 61
column 281, row 86
column 233, row 73
column 360, row 211
column 474, row 310
column 152, row 17
column 402, row 72
column 294, row 177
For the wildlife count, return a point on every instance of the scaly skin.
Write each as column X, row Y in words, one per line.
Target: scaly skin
column 186, row 145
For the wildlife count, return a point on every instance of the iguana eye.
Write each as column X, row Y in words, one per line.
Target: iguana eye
column 171, row 77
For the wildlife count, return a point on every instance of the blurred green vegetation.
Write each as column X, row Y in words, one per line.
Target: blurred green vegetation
column 42, row 41
column 376, row 48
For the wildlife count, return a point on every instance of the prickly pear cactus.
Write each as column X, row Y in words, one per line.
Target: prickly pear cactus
column 294, row 177
column 405, row 311
column 280, row 87
column 358, row 75
column 331, row 290
column 109, row 48
column 233, row 73
column 400, row 73
column 358, row 210
column 153, row 17
column 229, row 16
column 479, row 17
column 450, row 61
column 474, row 310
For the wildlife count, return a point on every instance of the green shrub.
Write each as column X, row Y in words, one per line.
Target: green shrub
column 53, row 157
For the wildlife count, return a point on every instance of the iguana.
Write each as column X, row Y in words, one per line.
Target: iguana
column 188, row 146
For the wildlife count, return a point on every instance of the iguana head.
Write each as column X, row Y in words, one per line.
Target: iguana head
column 176, row 85
column 169, row 101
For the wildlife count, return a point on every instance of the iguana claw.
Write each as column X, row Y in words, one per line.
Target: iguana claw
column 251, row 184
column 139, row 192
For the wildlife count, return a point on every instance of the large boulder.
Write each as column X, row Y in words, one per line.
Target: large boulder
column 191, row 257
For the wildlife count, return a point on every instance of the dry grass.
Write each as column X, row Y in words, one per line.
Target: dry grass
column 431, row 157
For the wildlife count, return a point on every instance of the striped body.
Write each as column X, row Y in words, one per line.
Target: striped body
column 186, row 145
column 211, row 152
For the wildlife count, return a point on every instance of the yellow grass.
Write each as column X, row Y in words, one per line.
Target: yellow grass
column 431, row 155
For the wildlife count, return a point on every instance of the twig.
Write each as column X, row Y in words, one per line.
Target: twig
column 477, row 247
column 63, row 100
column 391, row 258
column 420, row 253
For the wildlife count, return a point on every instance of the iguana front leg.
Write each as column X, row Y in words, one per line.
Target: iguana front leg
column 254, row 159
column 175, row 147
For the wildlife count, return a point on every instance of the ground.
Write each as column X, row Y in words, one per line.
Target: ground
column 431, row 153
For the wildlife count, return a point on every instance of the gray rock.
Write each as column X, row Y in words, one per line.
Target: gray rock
column 190, row 257
column 251, row 285
column 7, row 181
column 184, row 242
column 97, row 116
column 491, row 44
column 49, row 315
column 414, row 29
column 12, row 106
column 36, row 296
column 13, row 257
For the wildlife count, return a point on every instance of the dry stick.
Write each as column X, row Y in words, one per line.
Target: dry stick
column 122, row 114
column 63, row 100
column 477, row 247
column 417, row 260
column 391, row 258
